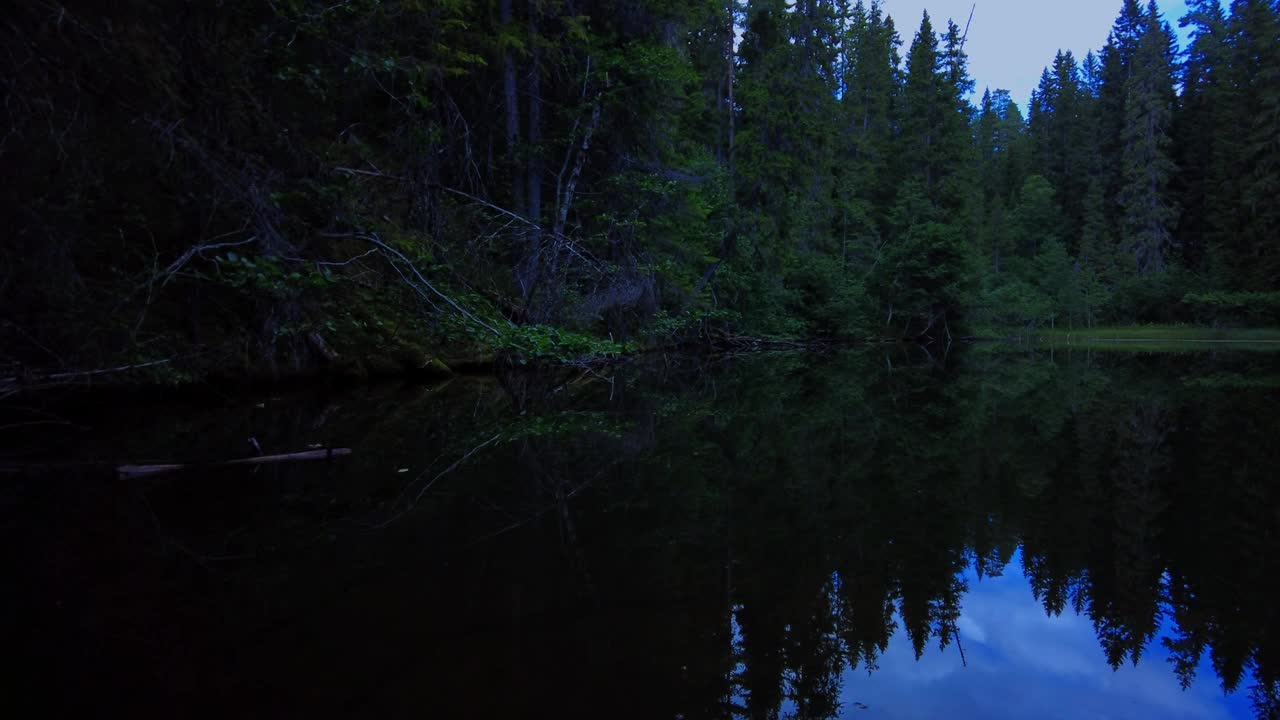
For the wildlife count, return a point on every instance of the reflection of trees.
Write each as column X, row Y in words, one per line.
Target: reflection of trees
column 732, row 542
column 1130, row 496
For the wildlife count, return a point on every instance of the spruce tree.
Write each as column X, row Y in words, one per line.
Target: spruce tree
column 934, row 138
column 1002, row 159
column 924, row 111
column 1197, row 128
column 1115, row 64
column 925, row 272
column 868, row 87
column 1147, row 166
column 1247, row 219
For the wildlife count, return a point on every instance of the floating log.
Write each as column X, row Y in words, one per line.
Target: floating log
column 130, row 471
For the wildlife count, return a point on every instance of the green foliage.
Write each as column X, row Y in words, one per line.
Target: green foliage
column 1058, row 282
column 831, row 303
column 1037, row 220
column 266, row 274
column 1261, row 307
column 542, row 342
column 565, row 426
column 1145, row 200
column 614, row 169
column 1152, row 298
column 1014, row 303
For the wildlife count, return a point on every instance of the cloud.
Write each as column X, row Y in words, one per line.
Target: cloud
column 1023, row 663
column 970, row 629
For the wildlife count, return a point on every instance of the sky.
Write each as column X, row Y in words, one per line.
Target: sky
column 1023, row 663
column 1011, row 41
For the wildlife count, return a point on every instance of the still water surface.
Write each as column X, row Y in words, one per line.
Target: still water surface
column 882, row 534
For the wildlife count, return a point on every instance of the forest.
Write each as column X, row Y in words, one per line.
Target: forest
column 372, row 185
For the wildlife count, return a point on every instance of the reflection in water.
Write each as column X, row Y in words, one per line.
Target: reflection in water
column 1019, row 661
column 993, row 535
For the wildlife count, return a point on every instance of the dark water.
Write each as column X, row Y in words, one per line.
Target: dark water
column 872, row 534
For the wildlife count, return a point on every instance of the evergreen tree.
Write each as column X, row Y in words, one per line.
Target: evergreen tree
column 1197, row 125
column 926, row 271
column 868, row 88
column 1060, row 129
column 1245, row 180
column 1115, row 64
column 934, row 138
column 1038, row 218
column 1091, row 75
column 925, row 108
column 598, row 165
column 1148, row 209
column 1003, row 159
column 1058, row 282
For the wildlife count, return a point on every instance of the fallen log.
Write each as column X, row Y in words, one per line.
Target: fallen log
column 131, row 471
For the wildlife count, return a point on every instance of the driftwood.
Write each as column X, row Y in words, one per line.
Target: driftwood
column 130, row 471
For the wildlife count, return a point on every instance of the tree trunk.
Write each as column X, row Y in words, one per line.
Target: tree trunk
column 534, row 179
column 511, row 102
column 729, row 52
column 562, row 213
column 529, row 271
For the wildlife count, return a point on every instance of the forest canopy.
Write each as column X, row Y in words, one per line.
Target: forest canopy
column 280, row 184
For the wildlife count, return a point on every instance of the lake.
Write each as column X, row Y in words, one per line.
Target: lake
column 989, row 532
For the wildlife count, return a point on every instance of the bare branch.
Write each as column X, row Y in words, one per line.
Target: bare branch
column 370, row 173
column 323, row 263
column 568, row 242
column 192, row 252
column 412, row 504
column 372, row 238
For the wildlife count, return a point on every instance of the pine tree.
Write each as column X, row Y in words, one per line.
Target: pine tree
column 1091, row 75
column 1264, row 145
column 1245, row 218
column 1098, row 246
column 1040, row 118
column 926, row 271
column 1002, row 158
column 868, row 86
column 1061, row 127
column 1148, row 209
column 1115, row 65
column 1097, row 262
column 1073, row 144
column 1197, row 125
column 785, row 156
column 924, row 109
column 934, row 136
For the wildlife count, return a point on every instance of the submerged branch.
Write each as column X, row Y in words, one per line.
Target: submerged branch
column 132, row 471
column 417, row 498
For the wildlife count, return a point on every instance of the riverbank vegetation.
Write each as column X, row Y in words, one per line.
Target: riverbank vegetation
column 284, row 186
column 1172, row 333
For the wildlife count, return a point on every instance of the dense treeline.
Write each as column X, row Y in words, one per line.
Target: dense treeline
column 292, row 181
column 1165, row 202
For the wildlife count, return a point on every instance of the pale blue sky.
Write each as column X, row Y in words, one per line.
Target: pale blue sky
column 1011, row 41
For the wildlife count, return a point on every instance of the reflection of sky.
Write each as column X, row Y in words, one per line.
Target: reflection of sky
column 1025, row 664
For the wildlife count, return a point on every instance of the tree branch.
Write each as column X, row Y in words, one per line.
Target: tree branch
column 373, row 238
